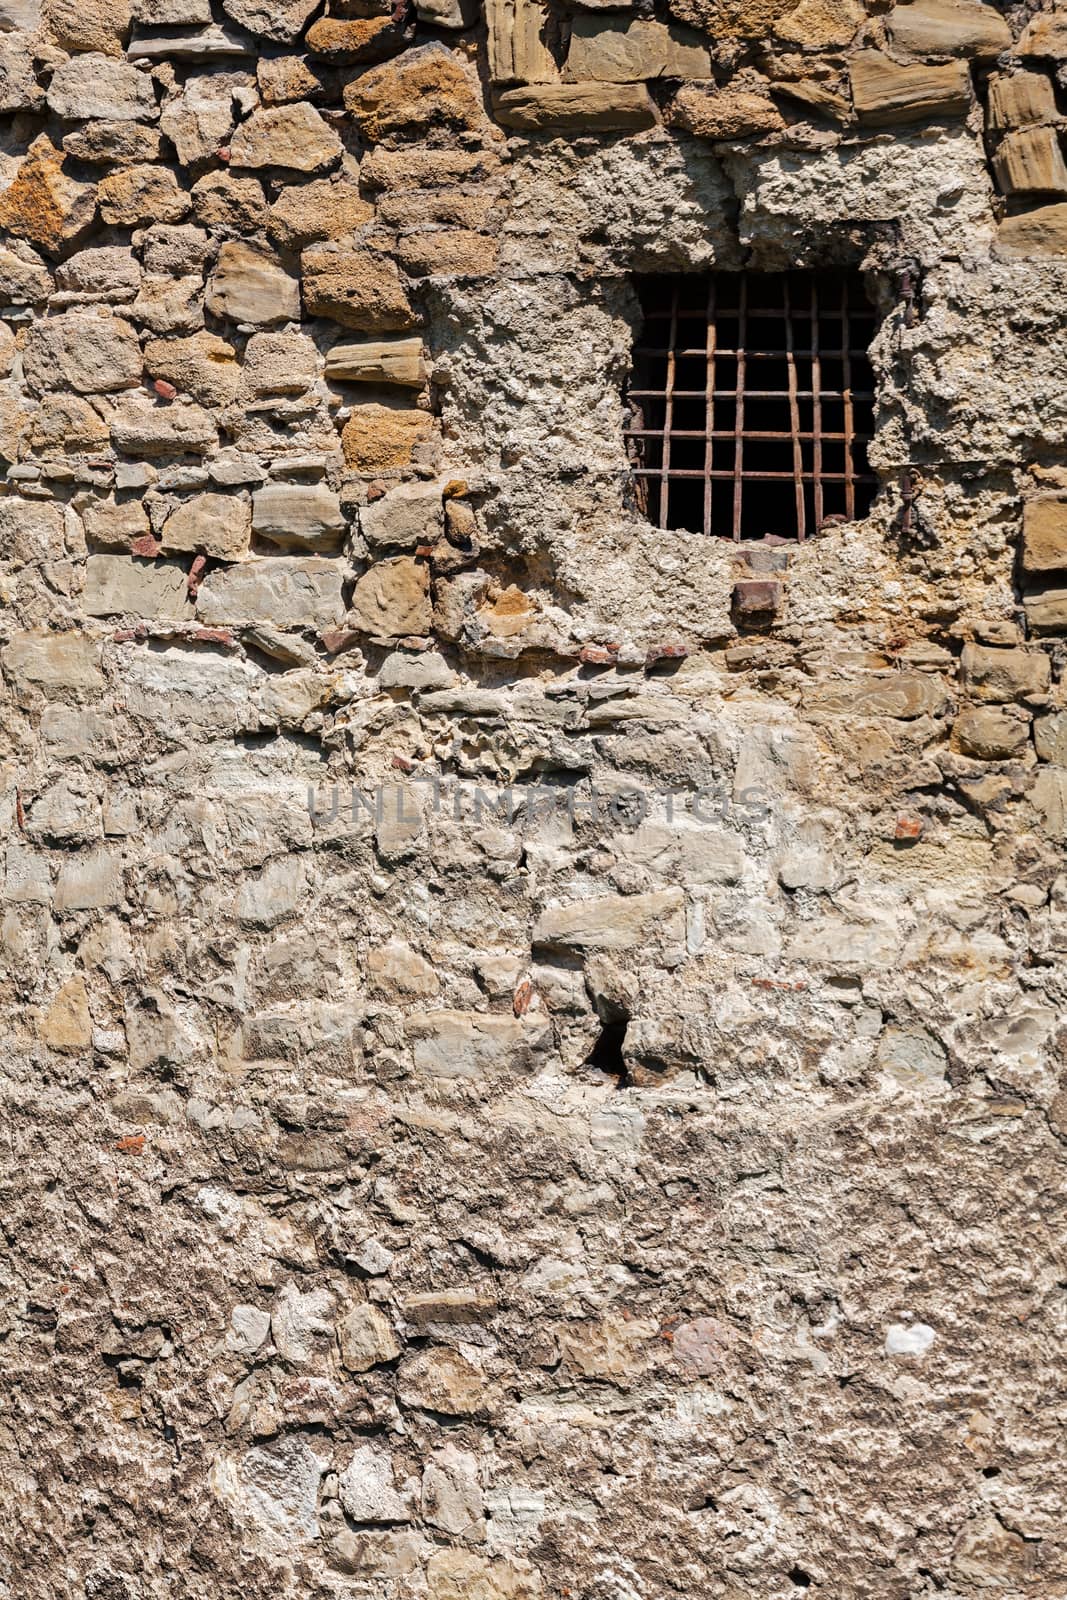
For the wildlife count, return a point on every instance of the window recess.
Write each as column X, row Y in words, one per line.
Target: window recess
column 752, row 403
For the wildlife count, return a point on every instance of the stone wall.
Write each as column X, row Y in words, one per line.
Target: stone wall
column 523, row 1075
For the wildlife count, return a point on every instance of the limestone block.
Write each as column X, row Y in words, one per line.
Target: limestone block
column 409, row 515
column 1030, row 161
column 42, row 204
column 138, row 196
column 172, row 13
column 392, row 599
column 175, row 250
column 517, row 49
column 879, row 694
column 87, row 351
column 281, row 21
column 90, row 880
column 458, row 1574
column 24, row 278
column 1018, row 99
column 201, row 45
column 108, row 273
column 30, row 530
column 948, row 28
column 360, row 289
column 1050, row 737
column 299, row 516
column 885, row 93
column 1046, row 610
column 95, row 85
column 821, row 24
column 66, row 1025
column 88, row 24
column 612, row 922
column 358, row 40
column 444, row 1381
column 20, row 16
column 143, row 427
column 451, row 1492
column 298, row 592
column 447, row 13
column 118, row 586
column 992, row 733
column 248, row 1330
column 53, row 662
column 19, row 89
column 618, row 50
column 292, row 136
column 1033, row 233
column 200, row 120
column 237, row 205
column 577, row 108
column 723, row 113
column 367, row 1488
column 1045, row 35
column 377, row 437
column 218, row 525
column 280, row 363
column 448, row 253
column 329, row 208
column 366, row 1339
column 262, row 903
column 202, row 365
column 115, row 524
column 1049, row 799
column 1045, row 535
column 250, row 285
column 997, row 674
column 378, row 361
column 426, row 88
column 301, row 1325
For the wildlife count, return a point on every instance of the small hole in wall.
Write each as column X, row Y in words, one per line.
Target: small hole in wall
column 990, row 1472
column 801, row 1578
column 606, row 1055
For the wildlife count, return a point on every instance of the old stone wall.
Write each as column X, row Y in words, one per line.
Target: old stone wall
column 524, row 1076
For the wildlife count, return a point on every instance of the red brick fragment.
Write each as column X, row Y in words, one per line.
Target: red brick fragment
column 757, row 596
column 523, row 998
column 146, row 545
column 165, row 390
column 196, row 574
column 134, row 635
column 908, row 827
column 133, row 1142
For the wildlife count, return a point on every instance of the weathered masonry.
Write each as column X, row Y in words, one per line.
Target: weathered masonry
column 609, row 1145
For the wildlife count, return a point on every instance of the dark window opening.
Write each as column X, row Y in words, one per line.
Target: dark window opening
column 752, row 403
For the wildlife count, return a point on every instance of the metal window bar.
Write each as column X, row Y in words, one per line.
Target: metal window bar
column 775, row 329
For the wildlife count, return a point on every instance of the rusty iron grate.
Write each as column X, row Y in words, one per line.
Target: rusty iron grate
column 752, row 402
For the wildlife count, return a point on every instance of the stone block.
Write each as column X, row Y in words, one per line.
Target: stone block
column 367, row 1488
column 250, row 285
column 143, row 427
column 407, row 516
column 1020, row 99
column 376, row 438
column 997, row 674
column 352, row 41
column 66, row 1024
column 136, row 197
column 1046, row 610
column 992, row 733
column 392, row 600
column 76, row 25
column 117, row 586
column 948, row 28
column 24, row 278
column 1030, row 161
column 90, row 881
column 299, row 516
column 621, row 50
column 449, row 253
column 613, row 922
column 879, row 694
column 294, row 137
column 711, row 113
column 360, row 289
column 53, row 662
column 1050, row 737
column 203, row 365
column 518, row 52
column 366, row 1339
column 87, row 351
column 280, row 21
column 426, row 88
column 577, row 108
column 114, row 144
column 217, row 525
column 1045, row 535
column 378, row 361
column 1033, row 233
column 200, row 120
column 44, row 205
column 200, row 45
column 115, row 524
column 756, row 596
column 31, row 531
column 96, row 85
column 820, row 24
column 1045, row 35
column 444, row 1381
column 111, row 272
column 884, row 92
column 328, row 208
column 289, row 592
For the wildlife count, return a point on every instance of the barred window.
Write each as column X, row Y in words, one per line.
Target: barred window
column 752, row 402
